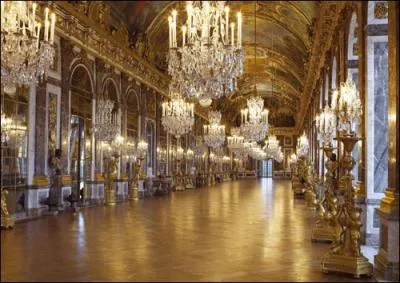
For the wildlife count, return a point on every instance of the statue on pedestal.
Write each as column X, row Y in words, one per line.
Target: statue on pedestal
column 55, row 201
column 6, row 221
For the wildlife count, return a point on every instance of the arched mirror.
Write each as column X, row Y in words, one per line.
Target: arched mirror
column 14, row 143
column 80, row 146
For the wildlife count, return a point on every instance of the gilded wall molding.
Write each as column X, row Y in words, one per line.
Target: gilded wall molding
column 86, row 33
column 326, row 25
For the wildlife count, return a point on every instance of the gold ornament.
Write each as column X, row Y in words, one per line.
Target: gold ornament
column 345, row 255
column 6, row 221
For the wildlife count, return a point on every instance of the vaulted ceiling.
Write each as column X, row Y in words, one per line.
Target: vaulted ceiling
column 282, row 43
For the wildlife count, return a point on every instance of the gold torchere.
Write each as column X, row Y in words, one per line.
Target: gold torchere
column 309, row 194
column 6, row 220
column 345, row 255
column 324, row 229
column 133, row 190
column 178, row 177
column 110, row 198
column 297, row 184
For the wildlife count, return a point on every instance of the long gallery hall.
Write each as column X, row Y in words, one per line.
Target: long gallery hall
column 200, row 141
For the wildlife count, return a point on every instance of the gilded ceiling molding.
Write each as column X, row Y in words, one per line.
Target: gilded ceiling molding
column 76, row 25
column 283, row 131
column 325, row 28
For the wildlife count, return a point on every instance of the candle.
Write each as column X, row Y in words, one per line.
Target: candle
column 183, row 35
column 232, row 34
column 46, row 30
column 38, row 35
column 46, row 24
column 174, row 13
column 53, row 23
column 170, row 31
column 46, row 14
column 33, row 12
column 189, row 13
column 226, row 25
column 2, row 8
column 239, row 31
column 334, row 99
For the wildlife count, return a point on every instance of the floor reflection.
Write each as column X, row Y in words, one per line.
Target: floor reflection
column 237, row 231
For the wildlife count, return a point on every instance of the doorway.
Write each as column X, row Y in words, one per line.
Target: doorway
column 266, row 168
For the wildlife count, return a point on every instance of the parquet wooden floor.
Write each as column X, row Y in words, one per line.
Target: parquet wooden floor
column 250, row 230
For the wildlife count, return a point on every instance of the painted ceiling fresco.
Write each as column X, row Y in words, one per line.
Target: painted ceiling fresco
column 282, row 43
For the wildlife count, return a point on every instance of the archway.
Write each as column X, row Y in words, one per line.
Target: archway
column 80, row 145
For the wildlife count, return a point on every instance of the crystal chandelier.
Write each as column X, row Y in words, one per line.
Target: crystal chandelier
column 129, row 150
column 141, row 149
column 226, row 159
column 24, row 57
column 254, row 120
column 189, row 154
column 272, row 148
column 210, row 57
column 161, row 154
column 177, row 116
column 235, row 141
column 302, row 145
column 12, row 129
column 214, row 134
column 326, row 125
column 347, row 104
column 200, row 148
column 293, row 158
column 108, row 122
column 256, row 152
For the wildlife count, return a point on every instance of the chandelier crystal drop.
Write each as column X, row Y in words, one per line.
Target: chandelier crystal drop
column 348, row 106
column 326, row 125
column 302, row 146
column 214, row 133
column 210, row 57
column 108, row 120
column 177, row 116
column 25, row 57
column 254, row 120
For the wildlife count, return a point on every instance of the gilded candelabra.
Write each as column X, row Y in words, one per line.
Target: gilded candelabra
column 179, row 177
column 6, row 220
column 345, row 254
column 112, row 167
column 324, row 229
column 311, row 181
column 299, row 177
column 133, row 189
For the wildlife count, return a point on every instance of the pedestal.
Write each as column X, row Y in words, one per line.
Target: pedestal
column 387, row 259
column 357, row 266
column 322, row 233
column 110, row 197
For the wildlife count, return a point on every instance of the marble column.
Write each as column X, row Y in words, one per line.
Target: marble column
column 66, row 59
column 387, row 259
column 40, row 126
column 377, row 119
